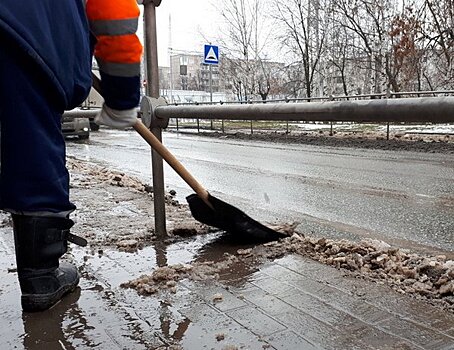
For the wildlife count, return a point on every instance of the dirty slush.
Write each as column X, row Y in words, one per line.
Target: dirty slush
column 426, row 277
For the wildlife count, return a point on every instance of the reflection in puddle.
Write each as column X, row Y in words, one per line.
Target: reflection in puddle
column 217, row 250
column 46, row 330
column 100, row 312
column 212, row 249
column 172, row 329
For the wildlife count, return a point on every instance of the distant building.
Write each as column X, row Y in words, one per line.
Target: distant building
column 164, row 77
column 188, row 72
column 187, row 80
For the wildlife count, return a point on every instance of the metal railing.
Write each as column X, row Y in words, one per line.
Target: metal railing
column 422, row 109
column 402, row 110
column 406, row 110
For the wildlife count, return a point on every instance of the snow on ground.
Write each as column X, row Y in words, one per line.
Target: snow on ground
column 406, row 128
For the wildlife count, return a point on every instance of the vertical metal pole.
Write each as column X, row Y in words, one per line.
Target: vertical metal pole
column 211, row 91
column 177, row 124
column 387, row 131
column 151, row 47
column 170, row 61
column 211, row 84
column 171, row 78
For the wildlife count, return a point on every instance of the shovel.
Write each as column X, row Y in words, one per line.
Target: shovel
column 204, row 207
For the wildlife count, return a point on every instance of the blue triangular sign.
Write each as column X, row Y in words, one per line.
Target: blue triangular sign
column 211, row 54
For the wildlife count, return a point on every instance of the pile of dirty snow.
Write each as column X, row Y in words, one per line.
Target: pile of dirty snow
column 165, row 278
column 428, row 277
column 94, row 173
column 116, row 209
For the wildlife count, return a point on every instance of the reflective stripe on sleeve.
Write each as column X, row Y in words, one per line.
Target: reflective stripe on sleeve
column 114, row 27
column 119, row 69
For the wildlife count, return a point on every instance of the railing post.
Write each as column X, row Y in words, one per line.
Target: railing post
column 388, row 95
column 151, row 52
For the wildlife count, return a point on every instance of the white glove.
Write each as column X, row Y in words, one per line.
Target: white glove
column 115, row 118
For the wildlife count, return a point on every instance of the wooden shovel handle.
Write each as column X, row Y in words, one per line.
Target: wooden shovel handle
column 154, row 142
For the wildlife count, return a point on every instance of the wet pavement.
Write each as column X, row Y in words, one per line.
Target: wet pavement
column 290, row 303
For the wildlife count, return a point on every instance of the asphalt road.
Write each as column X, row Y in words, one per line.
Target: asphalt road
column 404, row 198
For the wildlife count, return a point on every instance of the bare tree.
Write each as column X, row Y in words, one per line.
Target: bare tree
column 340, row 54
column 244, row 43
column 303, row 36
column 292, row 85
column 369, row 20
column 439, row 33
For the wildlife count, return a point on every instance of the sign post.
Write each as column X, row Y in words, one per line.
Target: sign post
column 211, row 57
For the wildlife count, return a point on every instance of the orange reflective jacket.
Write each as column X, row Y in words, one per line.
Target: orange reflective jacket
column 118, row 50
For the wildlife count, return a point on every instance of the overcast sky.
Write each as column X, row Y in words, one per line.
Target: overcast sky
column 191, row 21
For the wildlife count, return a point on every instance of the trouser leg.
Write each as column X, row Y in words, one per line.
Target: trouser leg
column 34, row 181
column 33, row 178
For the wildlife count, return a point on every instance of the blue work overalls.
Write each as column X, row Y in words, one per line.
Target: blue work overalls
column 45, row 68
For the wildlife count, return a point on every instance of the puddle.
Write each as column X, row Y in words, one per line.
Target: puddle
column 231, row 311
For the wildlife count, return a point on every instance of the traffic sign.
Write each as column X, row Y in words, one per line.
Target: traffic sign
column 211, row 55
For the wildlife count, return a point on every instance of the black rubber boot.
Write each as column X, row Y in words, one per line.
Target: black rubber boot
column 40, row 242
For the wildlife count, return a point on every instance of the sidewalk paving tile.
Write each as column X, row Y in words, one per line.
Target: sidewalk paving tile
column 420, row 335
column 287, row 339
column 256, row 321
column 290, row 303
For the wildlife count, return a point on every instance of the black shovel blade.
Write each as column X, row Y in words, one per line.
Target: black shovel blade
column 230, row 219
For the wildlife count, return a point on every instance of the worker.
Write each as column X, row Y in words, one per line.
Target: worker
column 45, row 68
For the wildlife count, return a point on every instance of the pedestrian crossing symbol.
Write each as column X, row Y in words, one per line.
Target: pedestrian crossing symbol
column 211, row 55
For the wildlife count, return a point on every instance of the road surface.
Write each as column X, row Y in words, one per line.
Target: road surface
column 404, row 198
